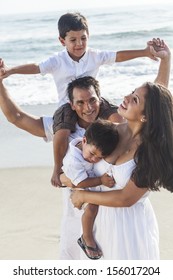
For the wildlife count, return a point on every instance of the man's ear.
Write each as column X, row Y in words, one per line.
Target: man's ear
column 62, row 41
column 72, row 106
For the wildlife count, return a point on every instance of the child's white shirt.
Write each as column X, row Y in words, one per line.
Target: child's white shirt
column 75, row 167
column 64, row 69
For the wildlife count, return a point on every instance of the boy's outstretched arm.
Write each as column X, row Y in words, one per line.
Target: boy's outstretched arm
column 131, row 54
column 21, row 69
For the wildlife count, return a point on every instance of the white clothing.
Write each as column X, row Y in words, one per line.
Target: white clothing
column 75, row 167
column 71, row 218
column 69, row 248
column 126, row 233
column 48, row 128
column 121, row 233
column 64, row 69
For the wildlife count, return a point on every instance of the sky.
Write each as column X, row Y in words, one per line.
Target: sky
column 27, row 6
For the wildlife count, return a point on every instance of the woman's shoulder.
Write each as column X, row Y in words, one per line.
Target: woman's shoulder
column 121, row 127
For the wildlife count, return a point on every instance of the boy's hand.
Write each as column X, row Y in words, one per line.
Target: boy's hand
column 107, row 180
column 3, row 70
column 158, row 49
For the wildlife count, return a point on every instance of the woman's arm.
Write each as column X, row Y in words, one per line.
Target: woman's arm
column 162, row 51
column 126, row 197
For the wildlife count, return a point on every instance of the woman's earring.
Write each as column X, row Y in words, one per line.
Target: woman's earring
column 143, row 119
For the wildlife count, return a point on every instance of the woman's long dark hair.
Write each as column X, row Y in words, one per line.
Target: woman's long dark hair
column 154, row 156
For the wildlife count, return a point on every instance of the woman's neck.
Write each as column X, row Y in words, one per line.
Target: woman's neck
column 133, row 129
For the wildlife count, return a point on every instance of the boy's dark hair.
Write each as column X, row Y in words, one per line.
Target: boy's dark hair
column 83, row 83
column 103, row 135
column 72, row 21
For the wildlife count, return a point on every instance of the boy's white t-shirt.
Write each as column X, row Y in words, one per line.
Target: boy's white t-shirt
column 64, row 69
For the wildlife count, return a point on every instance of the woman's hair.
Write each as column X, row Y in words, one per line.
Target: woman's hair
column 154, row 156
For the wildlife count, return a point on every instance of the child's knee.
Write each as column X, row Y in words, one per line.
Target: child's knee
column 92, row 209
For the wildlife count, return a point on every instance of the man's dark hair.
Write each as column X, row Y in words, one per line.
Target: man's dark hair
column 72, row 21
column 103, row 135
column 83, row 83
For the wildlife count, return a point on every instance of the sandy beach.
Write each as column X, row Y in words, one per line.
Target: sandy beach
column 31, row 208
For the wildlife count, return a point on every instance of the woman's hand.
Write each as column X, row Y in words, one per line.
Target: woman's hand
column 158, row 48
column 77, row 198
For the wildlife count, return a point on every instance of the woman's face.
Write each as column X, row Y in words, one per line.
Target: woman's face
column 132, row 107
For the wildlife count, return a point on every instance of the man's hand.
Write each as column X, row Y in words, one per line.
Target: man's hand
column 55, row 179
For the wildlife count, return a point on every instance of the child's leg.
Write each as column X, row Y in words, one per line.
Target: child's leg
column 88, row 219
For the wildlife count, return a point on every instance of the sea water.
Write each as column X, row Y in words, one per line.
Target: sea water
column 27, row 38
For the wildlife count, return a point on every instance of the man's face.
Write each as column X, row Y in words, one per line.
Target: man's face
column 86, row 104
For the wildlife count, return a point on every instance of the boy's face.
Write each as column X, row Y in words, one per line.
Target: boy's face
column 90, row 152
column 76, row 43
column 86, row 104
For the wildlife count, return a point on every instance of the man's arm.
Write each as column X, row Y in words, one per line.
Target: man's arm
column 60, row 146
column 21, row 69
column 17, row 116
column 116, row 118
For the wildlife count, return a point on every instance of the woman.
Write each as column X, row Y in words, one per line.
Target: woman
column 127, row 228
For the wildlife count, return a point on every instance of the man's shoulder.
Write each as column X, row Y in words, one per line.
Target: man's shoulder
column 106, row 109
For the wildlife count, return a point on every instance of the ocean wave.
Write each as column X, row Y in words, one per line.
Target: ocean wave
column 107, row 35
